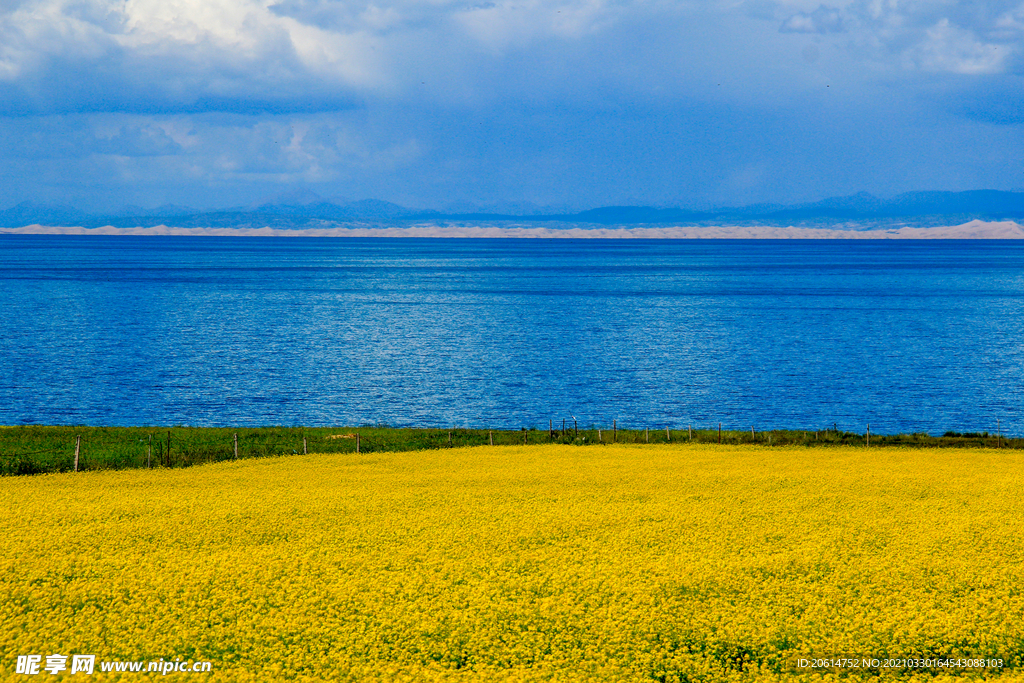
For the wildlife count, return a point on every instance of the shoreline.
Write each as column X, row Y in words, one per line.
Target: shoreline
column 973, row 230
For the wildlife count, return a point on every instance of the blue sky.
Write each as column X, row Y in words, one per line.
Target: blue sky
column 444, row 103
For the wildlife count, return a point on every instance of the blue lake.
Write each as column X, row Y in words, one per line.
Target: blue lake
column 906, row 336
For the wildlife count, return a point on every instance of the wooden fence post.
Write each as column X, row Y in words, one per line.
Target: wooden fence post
column 615, row 432
column 490, row 437
column 78, row 446
column 719, row 432
column 149, row 453
column 236, row 445
column 868, row 442
column 752, row 432
column 668, row 437
column 599, row 435
column 647, row 438
column 357, row 440
column 689, row 432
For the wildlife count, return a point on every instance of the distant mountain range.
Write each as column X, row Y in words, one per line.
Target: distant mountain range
column 304, row 210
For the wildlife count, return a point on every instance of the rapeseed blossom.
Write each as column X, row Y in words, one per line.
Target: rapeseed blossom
column 532, row 563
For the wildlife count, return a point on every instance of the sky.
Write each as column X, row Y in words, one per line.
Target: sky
column 449, row 104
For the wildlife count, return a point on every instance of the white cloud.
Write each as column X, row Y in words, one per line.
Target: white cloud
column 822, row 20
column 919, row 35
column 518, row 22
column 181, row 54
column 295, row 55
column 952, row 49
column 211, row 149
column 136, row 139
column 1010, row 24
column 182, row 48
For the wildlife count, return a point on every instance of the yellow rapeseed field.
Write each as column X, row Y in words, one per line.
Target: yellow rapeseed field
column 602, row 563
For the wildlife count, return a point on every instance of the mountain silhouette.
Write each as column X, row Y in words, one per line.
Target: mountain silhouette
column 304, row 209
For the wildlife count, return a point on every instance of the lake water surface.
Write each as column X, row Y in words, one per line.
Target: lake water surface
column 903, row 335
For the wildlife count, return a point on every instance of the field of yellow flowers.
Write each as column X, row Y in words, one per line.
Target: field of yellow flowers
column 602, row 563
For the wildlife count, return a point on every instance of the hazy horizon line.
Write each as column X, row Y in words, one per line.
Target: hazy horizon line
column 975, row 229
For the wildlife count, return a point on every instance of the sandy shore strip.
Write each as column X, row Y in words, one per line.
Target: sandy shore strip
column 974, row 230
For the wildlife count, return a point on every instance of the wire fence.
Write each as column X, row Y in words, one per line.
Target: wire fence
column 39, row 449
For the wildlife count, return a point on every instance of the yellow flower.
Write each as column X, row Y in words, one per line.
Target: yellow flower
column 536, row 563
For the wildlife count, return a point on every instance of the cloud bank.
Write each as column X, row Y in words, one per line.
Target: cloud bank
column 427, row 102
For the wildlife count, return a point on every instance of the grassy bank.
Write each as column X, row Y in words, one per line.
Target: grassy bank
column 37, row 449
column 547, row 563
